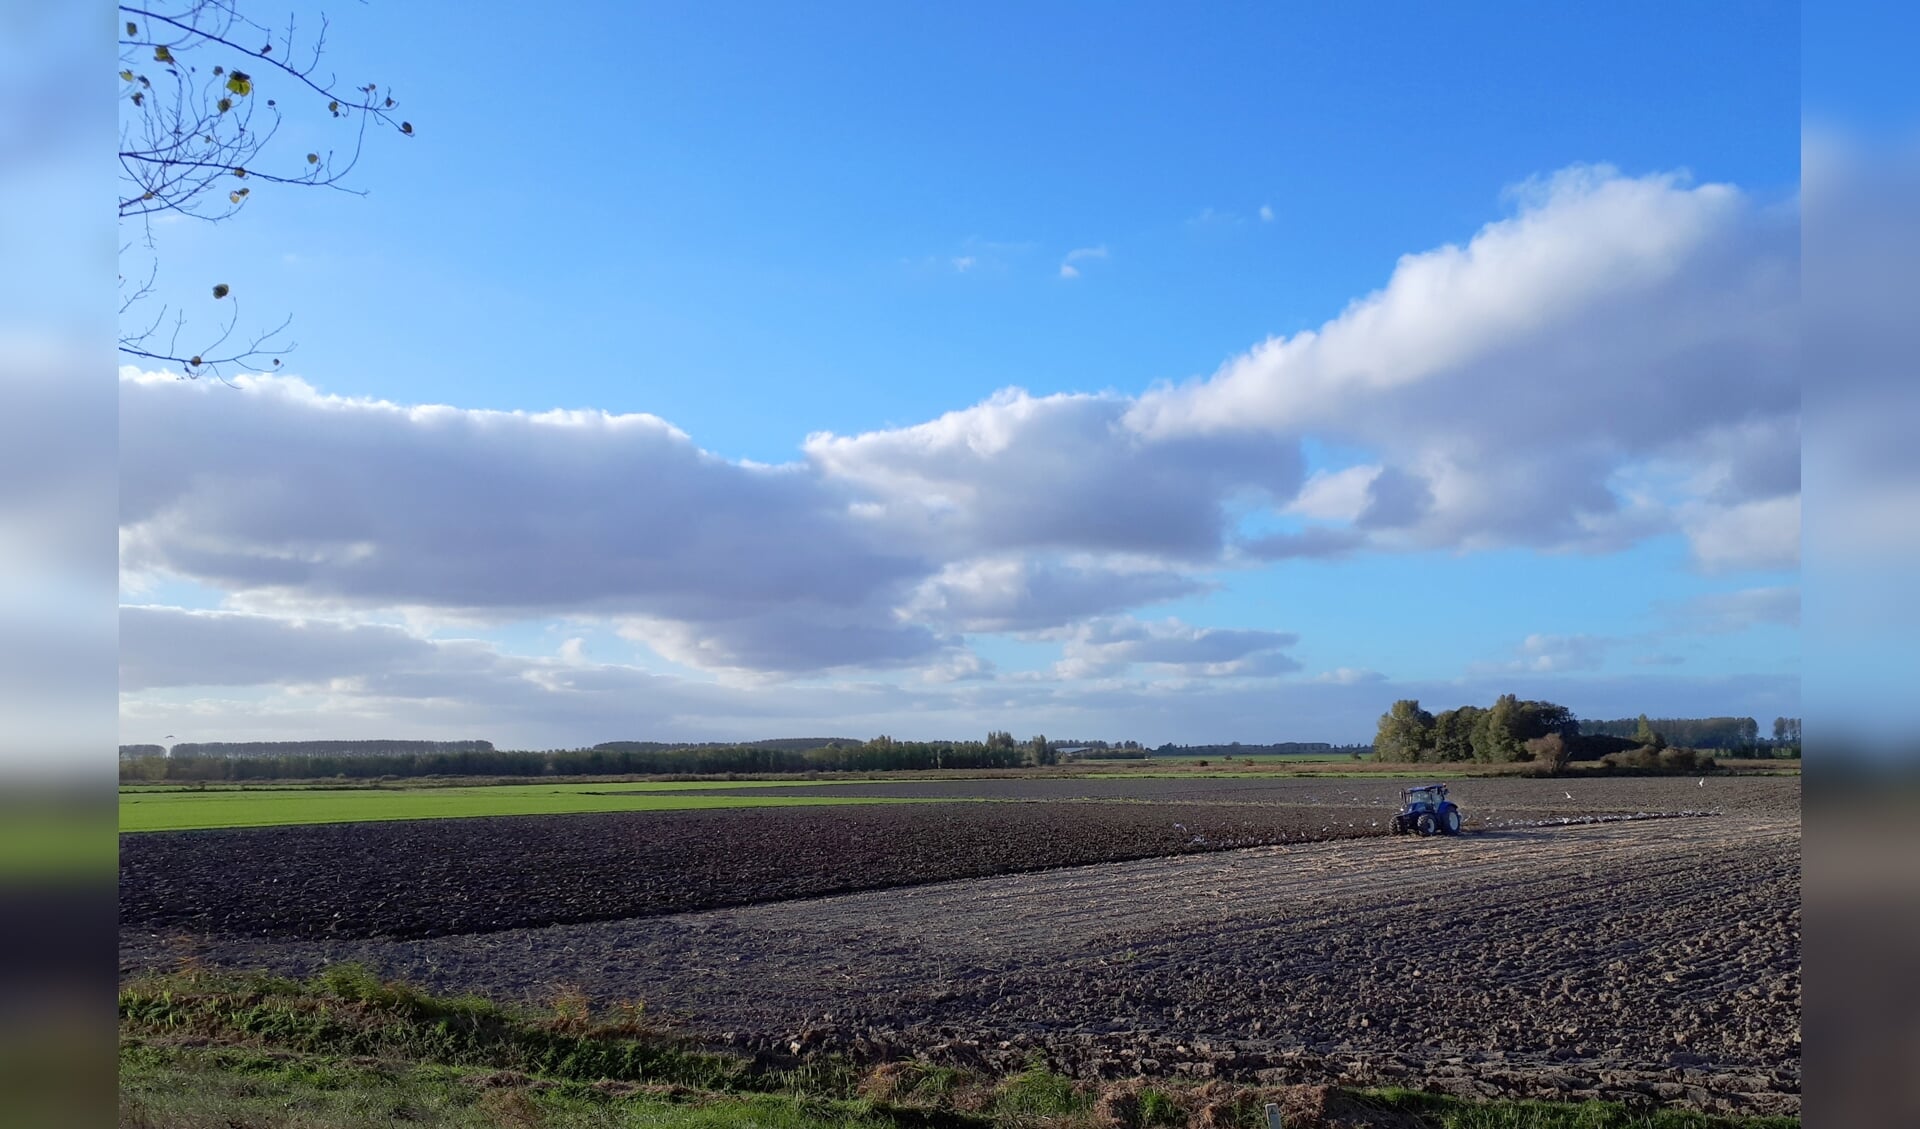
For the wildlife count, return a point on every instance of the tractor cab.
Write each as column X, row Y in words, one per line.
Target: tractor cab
column 1425, row 809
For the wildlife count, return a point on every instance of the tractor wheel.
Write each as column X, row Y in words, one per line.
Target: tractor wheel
column 1426, row 824
column 1453, row 821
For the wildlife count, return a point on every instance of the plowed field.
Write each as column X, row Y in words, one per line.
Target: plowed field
column 1640, row 958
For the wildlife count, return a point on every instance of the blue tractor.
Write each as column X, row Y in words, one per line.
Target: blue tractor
column 1428, row 811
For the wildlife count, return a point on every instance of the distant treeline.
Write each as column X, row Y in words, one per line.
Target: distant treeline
column 1278, row 749
column 620, row 758
column 1729, row 733
column 789, row 744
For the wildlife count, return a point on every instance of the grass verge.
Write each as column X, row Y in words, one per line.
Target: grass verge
column 200, row 1050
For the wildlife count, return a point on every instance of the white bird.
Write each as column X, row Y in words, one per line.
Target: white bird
column 1703, row 782
column 1569, row 795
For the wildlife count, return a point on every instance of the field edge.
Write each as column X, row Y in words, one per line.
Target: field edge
column 343, row 1047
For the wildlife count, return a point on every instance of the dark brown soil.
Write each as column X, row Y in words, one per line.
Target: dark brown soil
column 426, row 878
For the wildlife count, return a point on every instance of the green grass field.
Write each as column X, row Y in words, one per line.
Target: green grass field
column 190, row 809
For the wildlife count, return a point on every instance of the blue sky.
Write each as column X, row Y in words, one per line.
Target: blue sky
column 763, row 224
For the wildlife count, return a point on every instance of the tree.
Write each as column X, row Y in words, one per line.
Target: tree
column 1453, row 733
column 1496, row 732
column 201, row 108
column 1041, row 752
column 1542, row 719
column 1406, row 731
column 1645, row 734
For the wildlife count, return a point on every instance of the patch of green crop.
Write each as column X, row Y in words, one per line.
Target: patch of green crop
column 193, row 810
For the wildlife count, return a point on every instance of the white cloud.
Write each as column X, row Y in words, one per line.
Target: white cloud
column 1025, row 593
column 964, row 263
column 1266, row 214
column 1109, row 646
column 1079, row 255
column 1749, row 535
column 1612, row 320
column 1349, row 676
column 959, row 666
column 797, row 638
column 1064, row 472
column 287, row 496
column 171, row 647
column 1339, row 495
column 1553, row 654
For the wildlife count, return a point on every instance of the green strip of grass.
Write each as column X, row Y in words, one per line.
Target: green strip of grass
column 199, row 1049
column 182, row 1088
column 431, row 783
column 193, row 810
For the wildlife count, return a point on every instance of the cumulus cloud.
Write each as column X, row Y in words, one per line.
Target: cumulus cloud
column 1063, row 472
column 959, row 666
column 168, row 647
column 275, row 488
column 1506, row 382
column 1761, row 534
column 1024, row 593
column 1553, row 654
column 1338, row 496
column 1108, row 646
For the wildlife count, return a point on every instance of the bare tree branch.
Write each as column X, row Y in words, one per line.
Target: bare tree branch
column 196, row 142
